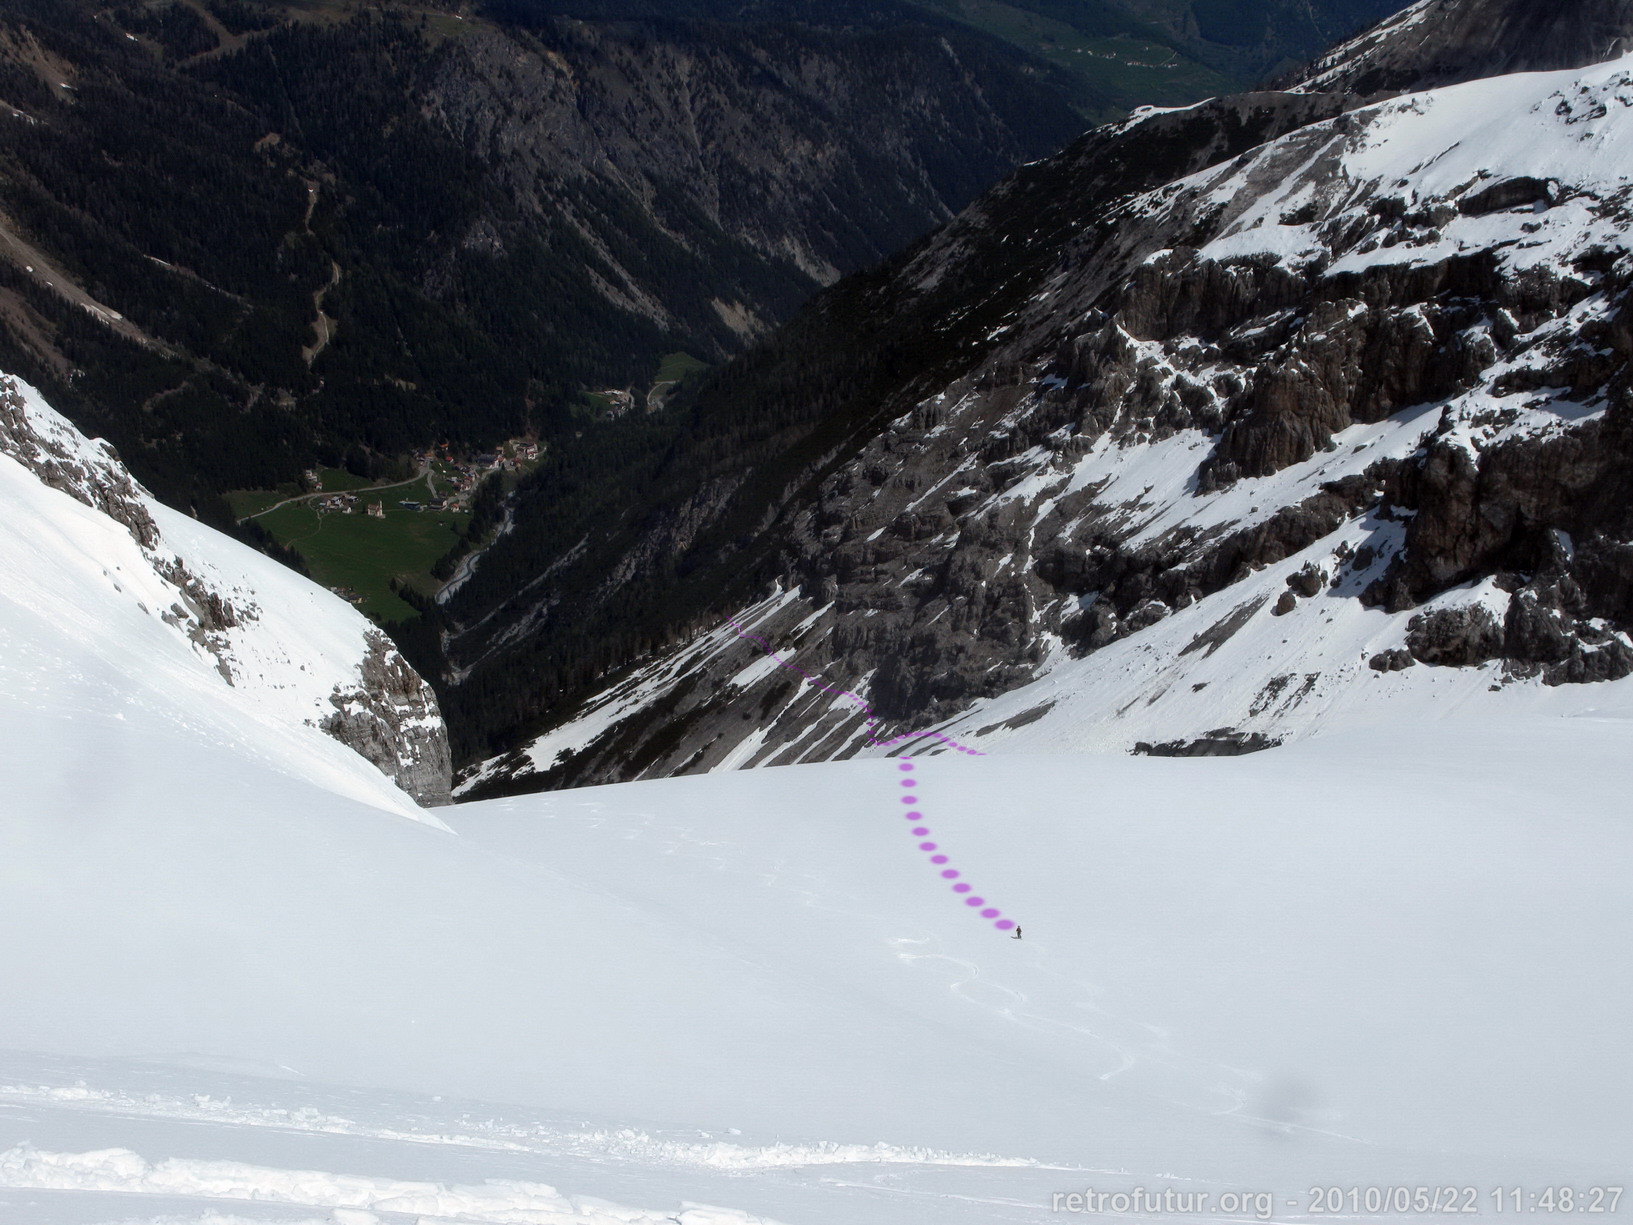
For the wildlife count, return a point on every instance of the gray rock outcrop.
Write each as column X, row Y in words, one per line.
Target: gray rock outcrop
column 392, row 719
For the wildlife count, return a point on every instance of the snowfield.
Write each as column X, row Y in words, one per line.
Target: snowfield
column 1396, row 957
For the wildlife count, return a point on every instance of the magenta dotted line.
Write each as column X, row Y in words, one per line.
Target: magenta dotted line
column 963, row 889
column 950, row 874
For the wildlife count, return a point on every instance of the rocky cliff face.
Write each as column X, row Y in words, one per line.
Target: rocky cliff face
column 391, row 718
column 61, row 461
column 1342, row 413
column 323, row 667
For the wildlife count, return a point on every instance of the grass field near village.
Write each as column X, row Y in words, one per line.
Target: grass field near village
column 247, row 502
column 676, row 366
column 365, row 554
column 357, row 554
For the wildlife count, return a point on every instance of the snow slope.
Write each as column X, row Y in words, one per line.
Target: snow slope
column 1566, row 127
column 1398, row 956
column 242, row 987
column 1228, row 660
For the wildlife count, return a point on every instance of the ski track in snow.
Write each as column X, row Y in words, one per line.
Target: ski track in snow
column 349, row 1199
column 938, row 859
column 496, row 1134
column 141, row 1183
column 962, row 888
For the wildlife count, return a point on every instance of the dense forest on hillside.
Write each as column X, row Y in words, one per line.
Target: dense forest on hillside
column 1106, row 55
column 164, row 193
column 1257, row 36
column 238, row 245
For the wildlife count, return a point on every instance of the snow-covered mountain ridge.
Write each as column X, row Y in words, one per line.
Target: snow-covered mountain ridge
column 1370, row 374
column 1292, row 441
column 140, row 604
column 1444, row 42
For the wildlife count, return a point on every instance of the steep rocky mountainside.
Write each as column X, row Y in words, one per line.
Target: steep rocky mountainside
column 602, row 562
column 209, row 624
column 1224, row 422
column 234, row 243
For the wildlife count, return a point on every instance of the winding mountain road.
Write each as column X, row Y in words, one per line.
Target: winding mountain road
column 423, row 471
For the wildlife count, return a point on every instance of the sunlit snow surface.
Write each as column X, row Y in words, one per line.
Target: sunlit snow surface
column 89, row 651
column 1396, row 957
